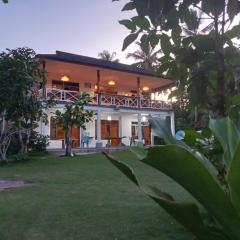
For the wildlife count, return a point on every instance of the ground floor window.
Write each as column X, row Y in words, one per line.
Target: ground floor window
column 56, row 130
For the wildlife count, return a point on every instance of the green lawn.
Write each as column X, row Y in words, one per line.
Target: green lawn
column 84, row 198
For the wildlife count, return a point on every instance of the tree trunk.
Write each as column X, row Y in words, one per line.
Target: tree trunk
column 220, row 61
column 3, row 149
column 28, row 133
column 23, row 144
column 68, row 142
column 221, row 86
column 195, row 114
column 2, row 156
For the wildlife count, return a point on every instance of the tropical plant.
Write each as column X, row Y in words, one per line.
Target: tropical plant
column 74, row 115
column 146, row 57
column 108, row 56
column 194, row 172
column 197, row 38
column 20, row 103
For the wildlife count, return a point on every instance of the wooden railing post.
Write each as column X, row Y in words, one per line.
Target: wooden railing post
column 139, row 92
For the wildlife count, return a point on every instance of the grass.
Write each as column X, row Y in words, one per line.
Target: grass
column 84, row 198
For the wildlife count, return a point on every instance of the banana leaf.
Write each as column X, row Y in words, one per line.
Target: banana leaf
column 184, row 212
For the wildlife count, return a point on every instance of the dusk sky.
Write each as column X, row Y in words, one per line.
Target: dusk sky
column 83, row 27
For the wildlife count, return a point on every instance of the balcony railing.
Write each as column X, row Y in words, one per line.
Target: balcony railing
column 103, row 99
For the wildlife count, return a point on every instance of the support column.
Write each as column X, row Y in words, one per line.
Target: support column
column 140, row 142
column 172, row 123
column 120, row 126
column 44, row 129
column 41, row 126
column 98, row 87
column 44, row 90
column 99, row 134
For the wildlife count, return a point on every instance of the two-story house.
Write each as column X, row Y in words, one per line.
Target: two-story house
column 123, row 98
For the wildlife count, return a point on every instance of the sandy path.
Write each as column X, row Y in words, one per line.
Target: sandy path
column 6, row 184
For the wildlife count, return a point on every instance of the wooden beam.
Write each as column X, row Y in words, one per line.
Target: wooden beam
column 138, row 87
column 98, row 81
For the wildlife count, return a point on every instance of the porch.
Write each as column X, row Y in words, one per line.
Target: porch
column 109, row 129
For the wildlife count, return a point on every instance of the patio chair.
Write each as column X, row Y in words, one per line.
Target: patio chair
column 85, row 140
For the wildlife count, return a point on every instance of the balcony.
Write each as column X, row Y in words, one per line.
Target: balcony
column 111, row 100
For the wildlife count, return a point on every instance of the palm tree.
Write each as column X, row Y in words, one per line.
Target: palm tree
column 108, row 56
column 145, row 58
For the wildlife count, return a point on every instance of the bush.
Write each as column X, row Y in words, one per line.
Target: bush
column 20, row 157
column 14, row 147
column 38, row 142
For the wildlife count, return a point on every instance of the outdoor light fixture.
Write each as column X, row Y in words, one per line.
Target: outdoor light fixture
column 109, row 118
column 111, row 83
column 144, row 119
column 95, row 87
column 145, row 88
column 65, row 79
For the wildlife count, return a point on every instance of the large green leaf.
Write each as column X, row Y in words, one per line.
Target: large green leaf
column 182, row 166
column 129, row 39
column 232, row 9
column 215, row 7
column 141, row 22
column 235, row 100
column 129, row 6
column 140, row 152
column 128, row 24
column 161, row 128
column 233, row 178
column 153, row 39
column 165, row 44
column 227, row 134
column 233, row 33
column 176, row 35
column 204, row 42
column 185, row 213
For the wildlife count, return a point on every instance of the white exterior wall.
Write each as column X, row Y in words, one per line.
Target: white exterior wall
column 125, row 119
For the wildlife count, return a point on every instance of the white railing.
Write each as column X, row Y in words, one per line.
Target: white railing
column 131, row 102
column 103, row 99
column 62, row 95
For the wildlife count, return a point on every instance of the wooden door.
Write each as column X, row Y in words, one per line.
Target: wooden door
column 76, row 137
column 109, row 131
column 114, row 133
column 146, row 135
